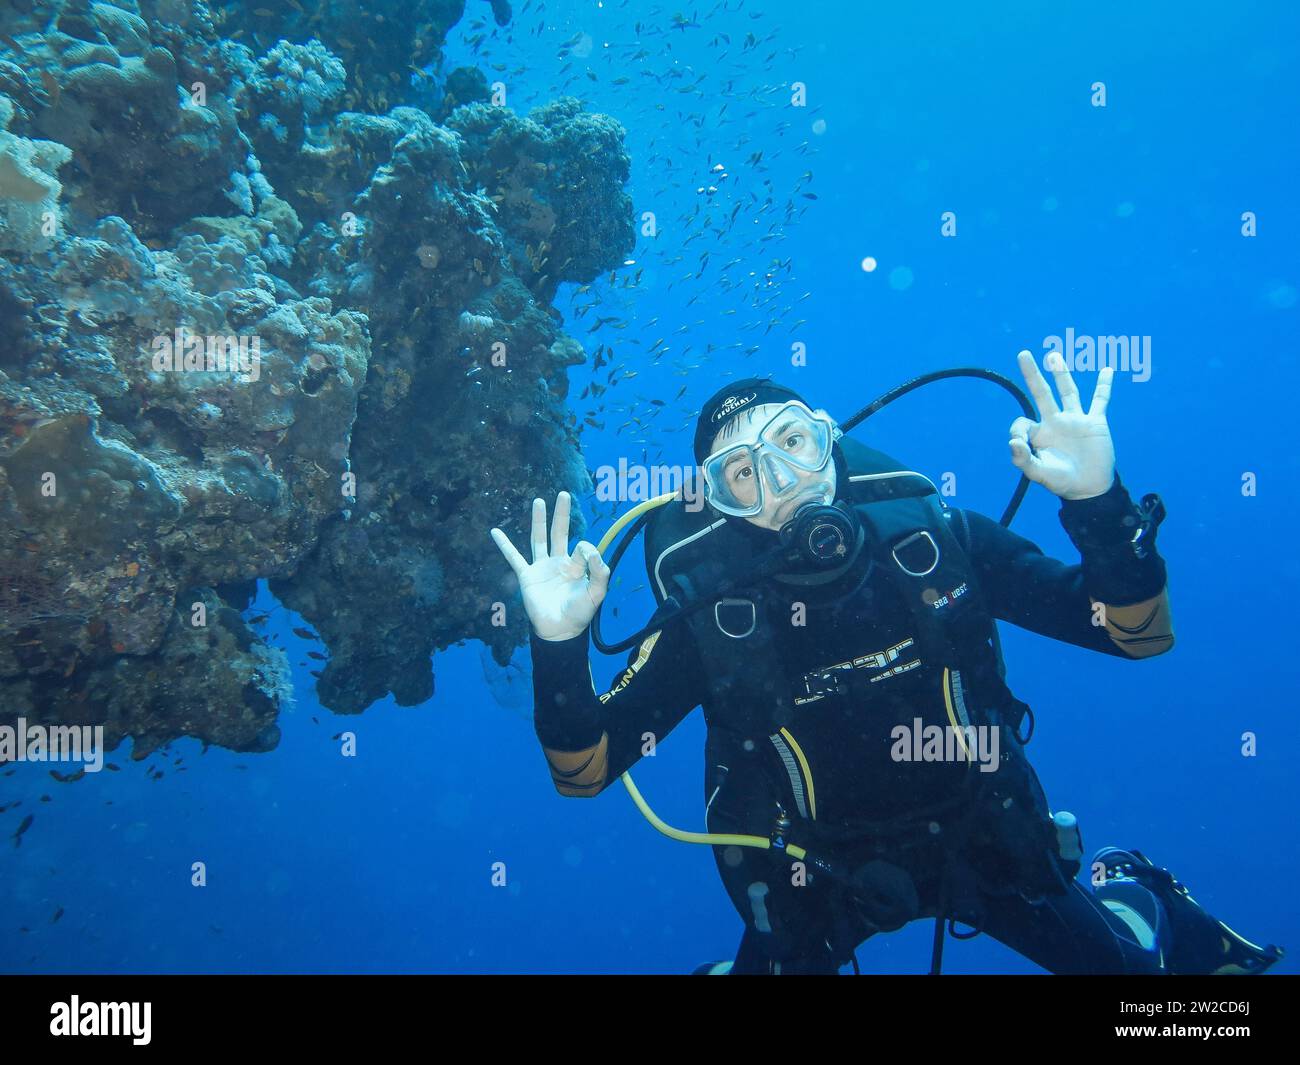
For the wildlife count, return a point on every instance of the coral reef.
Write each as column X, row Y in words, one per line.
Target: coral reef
column 543, row 171
column 270, row 312
column 388, row 46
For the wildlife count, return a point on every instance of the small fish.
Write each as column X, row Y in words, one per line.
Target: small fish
column 57, row 914
column 305, row 634
column 17, row 837
column 316, row 655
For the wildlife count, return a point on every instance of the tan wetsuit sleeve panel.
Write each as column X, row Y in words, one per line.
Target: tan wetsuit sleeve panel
column 580, row 773
column 584, row 773
column 1142, row 629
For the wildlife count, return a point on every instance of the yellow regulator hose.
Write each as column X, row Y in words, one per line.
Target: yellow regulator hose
column 713, row 839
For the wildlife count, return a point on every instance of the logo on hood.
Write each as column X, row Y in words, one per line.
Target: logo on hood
column 732, row 404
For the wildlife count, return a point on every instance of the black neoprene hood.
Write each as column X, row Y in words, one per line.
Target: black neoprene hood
column 730, row 401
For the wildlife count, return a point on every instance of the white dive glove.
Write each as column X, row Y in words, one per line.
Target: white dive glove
column 561, row 591
column 1073, row 455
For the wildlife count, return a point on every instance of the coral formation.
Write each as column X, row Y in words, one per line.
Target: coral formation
column 271, row 312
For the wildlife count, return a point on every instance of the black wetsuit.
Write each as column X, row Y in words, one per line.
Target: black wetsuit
column 844, row 737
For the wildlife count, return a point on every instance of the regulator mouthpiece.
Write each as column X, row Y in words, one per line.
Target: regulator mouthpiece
column 823, row 535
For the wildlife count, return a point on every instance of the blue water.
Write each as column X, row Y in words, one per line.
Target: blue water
column 1117, row 220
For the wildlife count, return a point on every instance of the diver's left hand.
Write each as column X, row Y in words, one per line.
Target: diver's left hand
column 1073, row 455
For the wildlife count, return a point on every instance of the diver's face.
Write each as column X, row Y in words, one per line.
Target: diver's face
column 785, row 487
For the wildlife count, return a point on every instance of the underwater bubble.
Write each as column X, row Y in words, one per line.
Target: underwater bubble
column 901, row 278
column 1282, row 296
column 869, row 263
column 819, row 127
column 1125, row 210
column 1050, row 203
column 136, row 832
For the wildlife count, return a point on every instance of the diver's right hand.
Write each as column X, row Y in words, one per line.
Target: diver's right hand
column 561, row 591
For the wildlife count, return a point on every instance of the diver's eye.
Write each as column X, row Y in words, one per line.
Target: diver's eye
column 740, row 473
column 793, row 442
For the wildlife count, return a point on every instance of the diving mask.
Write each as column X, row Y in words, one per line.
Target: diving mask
column 743, row 476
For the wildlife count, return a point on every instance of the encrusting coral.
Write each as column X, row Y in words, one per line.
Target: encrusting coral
column 269, row 313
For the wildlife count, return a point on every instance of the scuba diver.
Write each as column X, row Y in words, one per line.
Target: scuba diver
column 864, row 762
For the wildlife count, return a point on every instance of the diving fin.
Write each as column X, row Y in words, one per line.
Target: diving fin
column 1190, row 940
